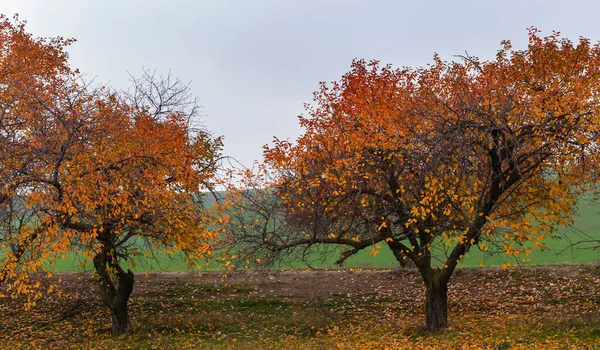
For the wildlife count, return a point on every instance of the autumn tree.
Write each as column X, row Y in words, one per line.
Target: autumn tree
column 30, row 71
column 104, row 175
column 431, row 162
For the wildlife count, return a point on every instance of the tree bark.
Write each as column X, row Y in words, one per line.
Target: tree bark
column 436, row 305
column 115, row 298
column 120, row 311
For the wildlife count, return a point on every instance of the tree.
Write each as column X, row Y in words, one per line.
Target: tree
column 433, row 161
column 97, row 173
column 31, row 72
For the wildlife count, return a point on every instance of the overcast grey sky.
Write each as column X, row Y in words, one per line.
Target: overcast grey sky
column 254, row 64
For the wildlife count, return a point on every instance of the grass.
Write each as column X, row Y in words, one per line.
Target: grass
column 560, row 251
column 191, row 313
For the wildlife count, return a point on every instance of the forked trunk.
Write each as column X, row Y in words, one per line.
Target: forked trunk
column 119, row 311
column 436, row 302
column 115, row 298
column 436, row 305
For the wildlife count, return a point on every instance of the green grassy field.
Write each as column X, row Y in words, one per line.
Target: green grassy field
column 561, row 251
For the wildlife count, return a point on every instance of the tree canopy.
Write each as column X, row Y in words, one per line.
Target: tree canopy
column 96, row 173
column 451, row 156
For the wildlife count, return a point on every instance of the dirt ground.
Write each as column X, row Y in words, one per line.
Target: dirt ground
column 322, row 284
column 536, row 307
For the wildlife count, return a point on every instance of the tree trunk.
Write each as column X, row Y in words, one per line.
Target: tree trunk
column 436, row 305
column 115, row 298
column 120, row 321
column 119, row 310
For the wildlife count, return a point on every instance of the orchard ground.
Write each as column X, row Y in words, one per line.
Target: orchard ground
column 525, row 307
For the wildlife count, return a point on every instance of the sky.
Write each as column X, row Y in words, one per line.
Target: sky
column 254, row 64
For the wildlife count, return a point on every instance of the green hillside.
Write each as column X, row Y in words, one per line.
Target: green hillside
column 561, row 251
